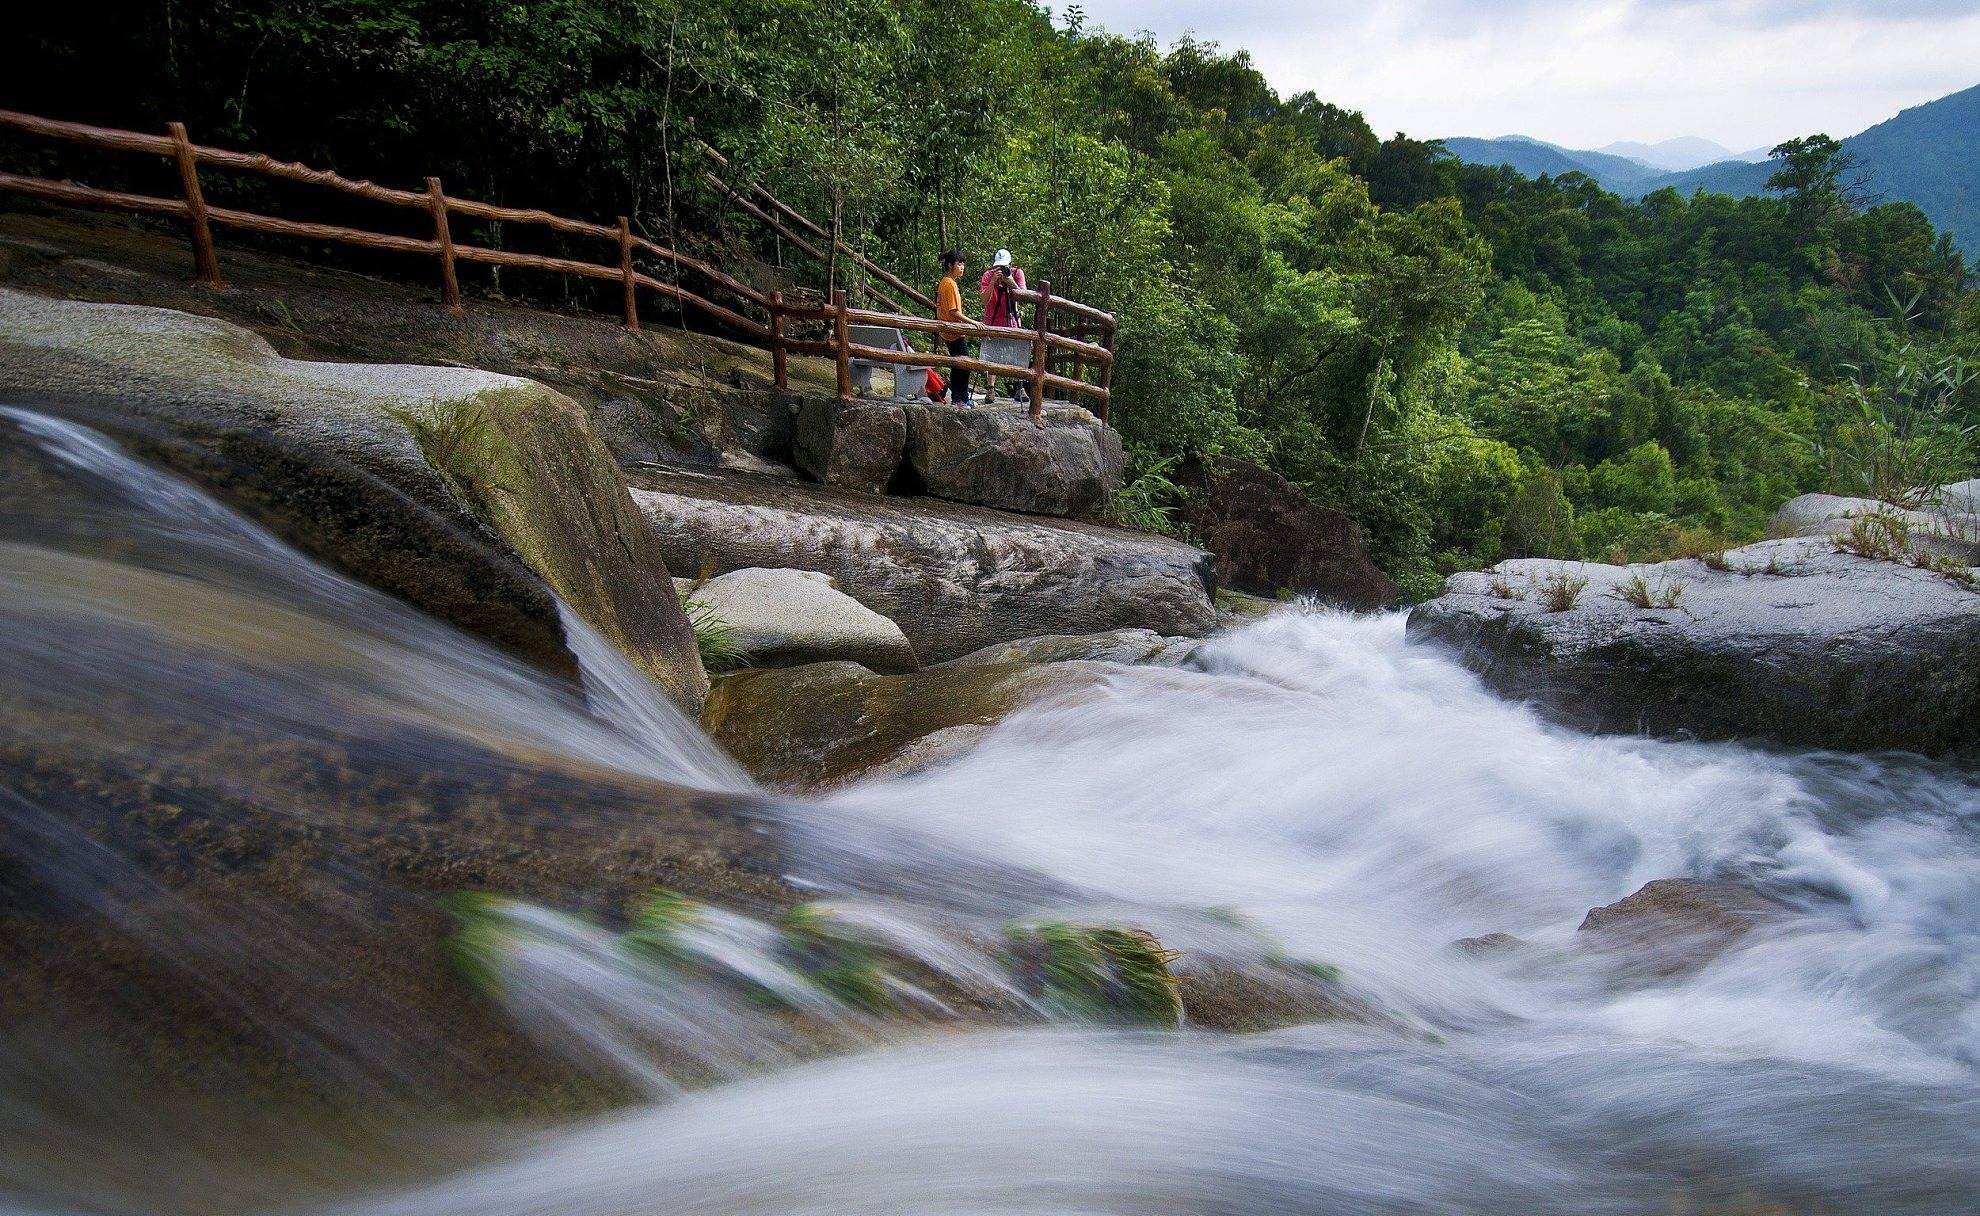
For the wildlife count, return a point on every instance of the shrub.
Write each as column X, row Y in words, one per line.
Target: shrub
column 1878, row 535
column 1561, row 591
column 1148, row 502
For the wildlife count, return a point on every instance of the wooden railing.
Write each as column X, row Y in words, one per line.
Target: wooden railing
column 780, row 217
column 773, row 332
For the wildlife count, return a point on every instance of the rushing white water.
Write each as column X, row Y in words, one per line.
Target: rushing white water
column 369, row 652
column 1354, row 800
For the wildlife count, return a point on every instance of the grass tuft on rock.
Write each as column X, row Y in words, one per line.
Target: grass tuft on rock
column 657, row 925
column 1107, row 973
column 714, row 639
column 1639, row 592
column 482, row 937
column 1879, row 535
column 460, row 443
column 838, row 962
column 1561, row 591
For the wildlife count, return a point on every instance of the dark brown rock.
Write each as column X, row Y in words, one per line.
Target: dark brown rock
column 1673, row 925
column 855, row 444
column 1268, row 537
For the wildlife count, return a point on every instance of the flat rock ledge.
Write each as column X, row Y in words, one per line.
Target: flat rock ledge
column 955, row 578
column 1793, row 642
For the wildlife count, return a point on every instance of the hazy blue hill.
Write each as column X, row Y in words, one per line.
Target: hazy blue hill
column 1672, row 155
column 1928, row 155
column 1735, row 177
column 1534, row 158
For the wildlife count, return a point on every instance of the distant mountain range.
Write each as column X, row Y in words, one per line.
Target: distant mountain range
column 1928, row 155
column 1677, row 155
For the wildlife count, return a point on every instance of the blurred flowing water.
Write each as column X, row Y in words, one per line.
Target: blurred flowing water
column 1313, row 786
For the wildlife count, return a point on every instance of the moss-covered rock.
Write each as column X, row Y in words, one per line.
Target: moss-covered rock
column 469, row 494
column 823, row 724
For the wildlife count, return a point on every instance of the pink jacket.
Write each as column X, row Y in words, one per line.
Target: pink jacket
column 997, row 308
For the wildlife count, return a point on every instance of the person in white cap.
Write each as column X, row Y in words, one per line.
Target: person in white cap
column 999, row 287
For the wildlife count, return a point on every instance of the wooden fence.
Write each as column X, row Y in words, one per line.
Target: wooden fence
column 780, row 217
column 774, row 332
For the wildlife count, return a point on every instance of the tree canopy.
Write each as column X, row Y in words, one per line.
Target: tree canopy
column 1471, row 363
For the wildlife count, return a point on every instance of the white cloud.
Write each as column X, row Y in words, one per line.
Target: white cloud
column 1747, row 73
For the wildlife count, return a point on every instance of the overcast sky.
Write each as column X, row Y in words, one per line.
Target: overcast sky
column 1747, row 73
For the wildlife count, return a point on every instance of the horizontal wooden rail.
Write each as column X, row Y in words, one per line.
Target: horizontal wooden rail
column 970, row 329
column 803, row 221
column 1046, row 346
column 1105, row 318
column 1001, row 371
column 90, row 196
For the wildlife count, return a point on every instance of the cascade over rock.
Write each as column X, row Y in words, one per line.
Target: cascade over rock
column 1794, row 642
column 469, row 494
column 955, row 578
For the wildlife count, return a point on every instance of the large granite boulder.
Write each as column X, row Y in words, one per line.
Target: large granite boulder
column 855, row 444
column 1947, row 523
column 1792, row 641
column 1268, row 537
column 787, row 618
column 469, row 494
column 954, row 578
column 995, row 456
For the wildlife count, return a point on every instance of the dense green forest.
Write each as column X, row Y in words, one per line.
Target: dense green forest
column 1472, row 364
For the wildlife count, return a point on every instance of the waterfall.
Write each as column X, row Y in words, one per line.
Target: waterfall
column 1315, row 786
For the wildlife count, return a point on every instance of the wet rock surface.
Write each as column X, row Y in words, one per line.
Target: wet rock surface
column 1116, row 646
column 470, row 494
column 804, row 728
column 955, row 578
column 1793, row 642
column 1675, row 925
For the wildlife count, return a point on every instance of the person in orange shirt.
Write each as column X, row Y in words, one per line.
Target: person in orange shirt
column 948, row 307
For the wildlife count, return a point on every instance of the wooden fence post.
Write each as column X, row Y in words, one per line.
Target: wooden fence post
column 779, row 360
column 1107, row 377
column 626, row 275
column 443, row 233
column 840, row 341
column 206, row 264
column 1038, row 352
